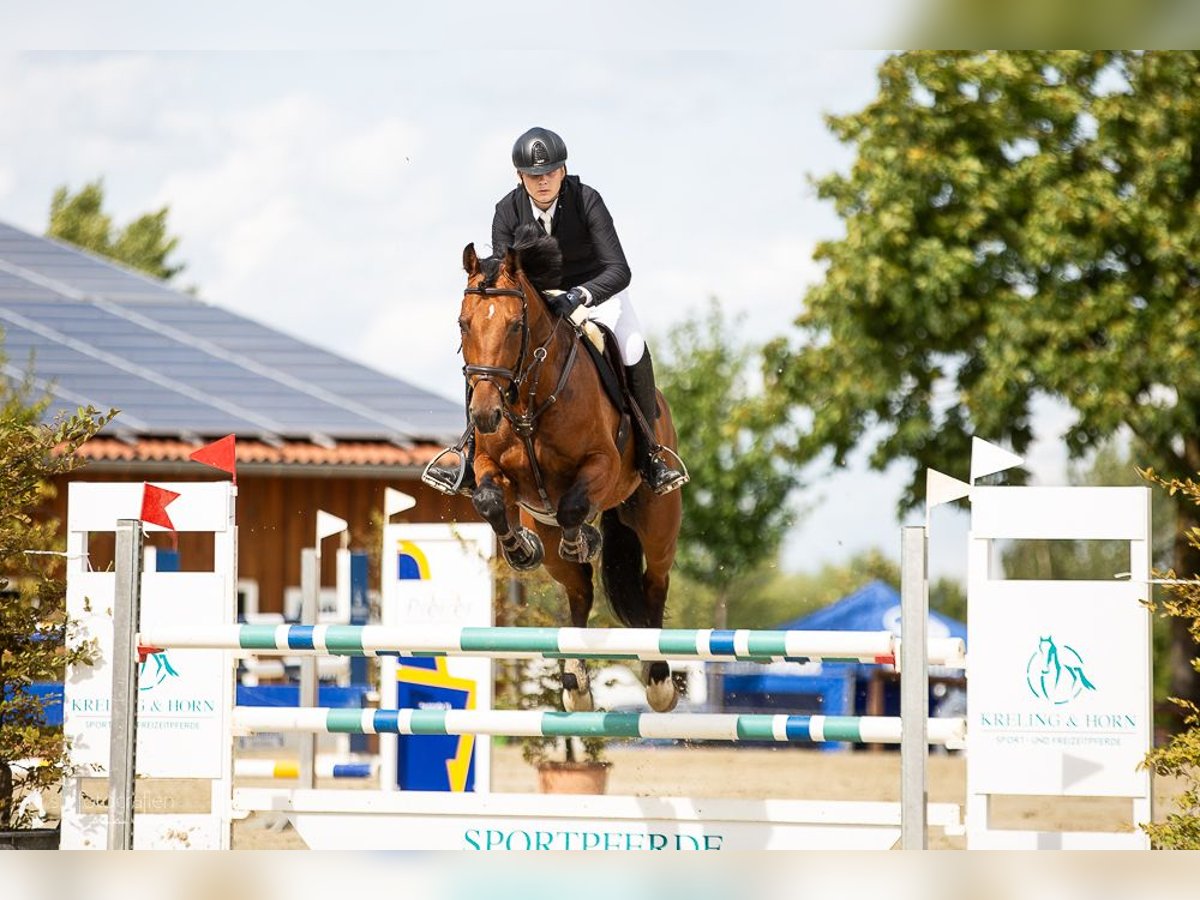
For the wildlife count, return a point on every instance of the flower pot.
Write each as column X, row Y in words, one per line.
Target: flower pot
column 29, row 839
column 573, row 777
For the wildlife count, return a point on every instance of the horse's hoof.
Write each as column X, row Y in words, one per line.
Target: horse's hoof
column 661, row 692
column 584, row 549
column 662, row 697
column 576, row 701
column 528, row 552
column 577, row 686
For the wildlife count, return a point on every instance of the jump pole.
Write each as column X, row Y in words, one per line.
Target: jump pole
column 554, row 643
column 778, row 728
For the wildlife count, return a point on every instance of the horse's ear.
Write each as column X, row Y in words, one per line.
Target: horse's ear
column 511, row 264
column 470, row 260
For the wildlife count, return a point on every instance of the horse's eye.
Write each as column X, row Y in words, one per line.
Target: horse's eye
column 462, row 325
column 514, row 327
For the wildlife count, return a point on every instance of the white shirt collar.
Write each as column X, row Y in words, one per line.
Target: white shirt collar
column 538, row 213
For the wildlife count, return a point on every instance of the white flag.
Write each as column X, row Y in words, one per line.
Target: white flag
column 941, row 488
column 988, row 459
column 327, row 524
column 395, row 501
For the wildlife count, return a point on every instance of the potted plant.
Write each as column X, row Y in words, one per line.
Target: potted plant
column 33, row 622
column 564, row 765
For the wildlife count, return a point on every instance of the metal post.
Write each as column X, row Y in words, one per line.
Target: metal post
column 123, row 728
column 914, row 690
column 310, row 588
column 360, row 614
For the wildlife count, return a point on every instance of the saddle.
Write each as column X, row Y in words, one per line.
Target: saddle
column 601, row 346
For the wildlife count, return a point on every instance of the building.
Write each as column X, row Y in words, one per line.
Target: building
column 314, row 429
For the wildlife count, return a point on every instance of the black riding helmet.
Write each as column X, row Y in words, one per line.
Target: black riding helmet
column 538, row 151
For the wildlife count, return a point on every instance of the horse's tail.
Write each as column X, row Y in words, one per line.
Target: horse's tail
column 621, row 564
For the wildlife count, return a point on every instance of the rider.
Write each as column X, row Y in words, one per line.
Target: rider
column 594, row 275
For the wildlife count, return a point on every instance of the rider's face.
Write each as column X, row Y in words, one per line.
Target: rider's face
column 544, row 188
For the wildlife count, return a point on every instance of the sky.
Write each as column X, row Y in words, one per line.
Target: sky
column 324, row 173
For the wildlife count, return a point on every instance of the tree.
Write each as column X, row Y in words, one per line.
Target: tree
column 143, row 244
column 1017, row 226
column 735, row 510
column 1180, row 757
column 33, row 624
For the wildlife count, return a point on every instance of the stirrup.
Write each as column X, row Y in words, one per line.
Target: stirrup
column 675, row 483
column 445, row 485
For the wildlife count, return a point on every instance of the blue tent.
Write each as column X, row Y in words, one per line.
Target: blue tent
column 875, row 607
column 834, row 689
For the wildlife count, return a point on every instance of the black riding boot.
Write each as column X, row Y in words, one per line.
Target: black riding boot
column 657, row 463
column 454, row 478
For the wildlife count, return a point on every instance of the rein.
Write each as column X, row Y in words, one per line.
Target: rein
column 524, row 424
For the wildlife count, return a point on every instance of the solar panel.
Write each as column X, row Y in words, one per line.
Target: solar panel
column 175, row 364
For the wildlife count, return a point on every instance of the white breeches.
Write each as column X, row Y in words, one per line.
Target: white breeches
column 616, row 313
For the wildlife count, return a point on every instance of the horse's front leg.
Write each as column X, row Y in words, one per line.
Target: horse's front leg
column 494, row 499
column 580, row 541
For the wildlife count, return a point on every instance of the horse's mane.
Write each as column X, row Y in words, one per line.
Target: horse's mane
column 538, row 255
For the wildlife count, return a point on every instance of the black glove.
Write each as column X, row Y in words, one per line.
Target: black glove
column 565, row 304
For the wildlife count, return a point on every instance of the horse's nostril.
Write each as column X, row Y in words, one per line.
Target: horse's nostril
column 486, row 421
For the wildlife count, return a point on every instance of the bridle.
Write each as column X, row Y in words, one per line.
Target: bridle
column 524, row 424
column 515, row 375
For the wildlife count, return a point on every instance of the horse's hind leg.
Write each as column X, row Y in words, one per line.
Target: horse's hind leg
column 576, row 579
column 656, row 521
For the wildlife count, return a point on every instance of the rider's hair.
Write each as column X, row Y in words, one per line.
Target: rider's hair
column 538, row 255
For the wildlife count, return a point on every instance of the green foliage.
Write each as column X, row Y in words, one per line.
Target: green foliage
column 33, row 624
column 735, row 510
column 947, row 596
column 144, row 244
column 768, row 597
column 1018, row 225
column 1180, row 756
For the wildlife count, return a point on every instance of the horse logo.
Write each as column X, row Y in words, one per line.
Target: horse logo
column 161, row 672
column 1056, row 674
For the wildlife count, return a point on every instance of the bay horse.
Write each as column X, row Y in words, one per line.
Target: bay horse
column 548, row 461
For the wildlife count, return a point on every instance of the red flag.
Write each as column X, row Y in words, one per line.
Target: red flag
column 155, row 501
column 220, row 454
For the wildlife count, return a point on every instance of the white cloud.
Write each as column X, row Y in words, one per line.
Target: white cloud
column 375, row 159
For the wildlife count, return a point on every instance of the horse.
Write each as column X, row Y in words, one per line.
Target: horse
column 549, row 458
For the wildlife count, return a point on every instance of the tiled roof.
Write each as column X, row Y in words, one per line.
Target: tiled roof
column 250, row 452
column 178, row 367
